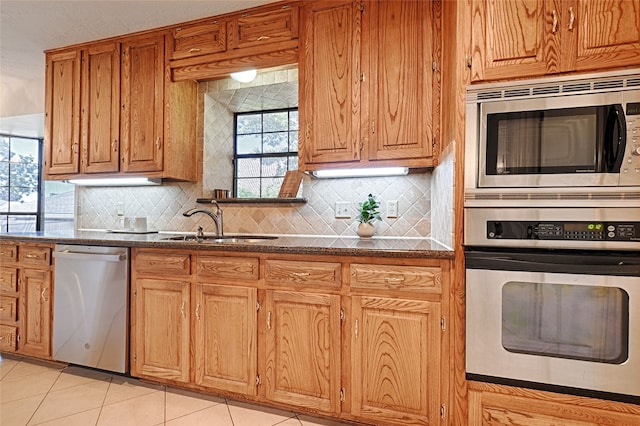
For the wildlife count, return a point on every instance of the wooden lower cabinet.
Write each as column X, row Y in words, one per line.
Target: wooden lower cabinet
column 226, row 338
column 496, row 405
column 162, row 331
column 396, row 346
column 343, row 337
column 26, row 290
column 302, row 346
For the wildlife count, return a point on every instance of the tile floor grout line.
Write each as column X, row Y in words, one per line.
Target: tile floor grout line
column 104, row 400
column 45, row 395
column 226, row 401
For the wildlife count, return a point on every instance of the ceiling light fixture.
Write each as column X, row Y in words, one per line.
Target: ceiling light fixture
column 369, row 172
column 126, row 181
column 244, row 76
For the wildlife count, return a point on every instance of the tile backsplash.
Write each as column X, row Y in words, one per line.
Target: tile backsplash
column 163, row 205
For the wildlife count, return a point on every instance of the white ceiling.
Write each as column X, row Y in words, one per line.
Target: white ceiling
column 28, row 27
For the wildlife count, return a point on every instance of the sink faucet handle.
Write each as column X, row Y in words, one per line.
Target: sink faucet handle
column 200, row 231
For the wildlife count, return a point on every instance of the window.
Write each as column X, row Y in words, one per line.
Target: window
column 23, row 194
column 20, row 180
column 266, row 147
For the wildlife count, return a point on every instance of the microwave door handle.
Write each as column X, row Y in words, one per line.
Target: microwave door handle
column 614, row 146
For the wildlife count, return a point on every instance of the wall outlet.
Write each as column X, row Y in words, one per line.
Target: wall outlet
column 120, row 208
column 343, row 210
column 392, row 209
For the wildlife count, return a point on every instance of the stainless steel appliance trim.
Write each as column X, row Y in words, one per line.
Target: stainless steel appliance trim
column 485, row 354
column 475, row 220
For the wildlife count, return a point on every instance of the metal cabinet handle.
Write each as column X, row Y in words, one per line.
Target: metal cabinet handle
column 114, row 145
column 193, row 50
column 554, row 28
column 356, row 329
column 394, row 279
column 263, row 38
column 44, row 299
column 572, row 18
column 1, row 309
column 158, row 143
column 182, row 310
column 198, row 311
column 269, row 320
column 300, row 274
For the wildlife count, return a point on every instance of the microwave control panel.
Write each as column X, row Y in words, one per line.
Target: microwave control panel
column 585, row 231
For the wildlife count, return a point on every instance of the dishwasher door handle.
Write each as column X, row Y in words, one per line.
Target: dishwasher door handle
column 89, row 256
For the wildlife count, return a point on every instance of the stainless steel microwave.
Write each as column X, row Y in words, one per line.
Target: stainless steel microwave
column 579, row 131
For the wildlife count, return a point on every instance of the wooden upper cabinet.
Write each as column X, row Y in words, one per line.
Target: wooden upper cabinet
column 329, row 85
column 517, row 39
column 62, row 113
column 197, row 39
column 366, row 83
column 255, row 28
column 397, row 58
column 607, row 33
column 142, row 86
column 101, row 108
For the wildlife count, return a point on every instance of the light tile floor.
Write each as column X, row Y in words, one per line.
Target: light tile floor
column 41, row 393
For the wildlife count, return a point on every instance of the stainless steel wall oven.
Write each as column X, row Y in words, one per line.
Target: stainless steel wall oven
column 552, row 234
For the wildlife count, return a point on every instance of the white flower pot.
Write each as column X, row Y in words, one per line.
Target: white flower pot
column 365, row 230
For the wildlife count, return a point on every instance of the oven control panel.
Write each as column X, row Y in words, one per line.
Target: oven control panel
column 569, row 230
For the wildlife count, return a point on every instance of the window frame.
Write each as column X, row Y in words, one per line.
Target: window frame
column 261, row 155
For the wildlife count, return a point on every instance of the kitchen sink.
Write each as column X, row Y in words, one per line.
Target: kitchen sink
column 222, row 238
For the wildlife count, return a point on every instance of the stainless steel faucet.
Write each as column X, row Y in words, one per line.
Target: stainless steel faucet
column 216, row 216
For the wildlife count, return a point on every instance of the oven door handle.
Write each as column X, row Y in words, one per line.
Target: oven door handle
column 582, row 263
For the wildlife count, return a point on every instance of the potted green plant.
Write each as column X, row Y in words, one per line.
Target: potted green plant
column 368, row 213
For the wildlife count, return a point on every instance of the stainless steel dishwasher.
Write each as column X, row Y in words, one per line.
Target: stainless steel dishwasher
column 90, row 306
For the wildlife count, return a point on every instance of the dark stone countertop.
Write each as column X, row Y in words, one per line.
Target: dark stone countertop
column 287, row 244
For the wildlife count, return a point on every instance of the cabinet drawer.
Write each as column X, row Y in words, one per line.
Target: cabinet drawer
column 242, row 268
column 301, row 272
column 34, row 255
column 395, row 277
column 8, row 252
column 259, row 28
column 8, row 308
column 7, row 338
column 199, row 39
column 8, row 280
column 152, row 263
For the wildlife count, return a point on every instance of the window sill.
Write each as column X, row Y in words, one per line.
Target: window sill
column 253, row 200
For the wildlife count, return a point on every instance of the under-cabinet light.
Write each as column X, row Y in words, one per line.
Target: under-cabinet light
column 368, row 172
column 125, row 181
column 244, row 76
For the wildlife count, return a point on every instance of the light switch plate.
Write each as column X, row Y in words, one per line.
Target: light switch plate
column 343, row 210
column 392, row 209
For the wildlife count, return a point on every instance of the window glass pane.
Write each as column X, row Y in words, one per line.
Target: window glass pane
column 249, row 144
column 274, row 166
column 276, row 142
column 249, row 123
column 4, row 199
column 25, row 150
column 293, row 163
column 248, row 188
column 22, row 223
column 293, row 141
column 276, row 121
column 293, row 120
column 271, row 187
column 248, row 167
column 566, row 321
column 4, row 148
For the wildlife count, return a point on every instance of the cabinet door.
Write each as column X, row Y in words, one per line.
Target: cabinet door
column 161, row 311
column 303, row 350
column 226, row 338
column 35, row 312
column 62, row 113
column 395, row 360
column 607, row 32
column 263, row 27
column 199, row 39
column 330, row 83
column 141, row 121
column 101, row 108
column 512, row 39
column 397, row 56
